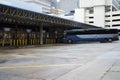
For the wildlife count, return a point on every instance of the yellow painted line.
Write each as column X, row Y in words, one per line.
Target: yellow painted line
column 47, row 55
column 37, row 66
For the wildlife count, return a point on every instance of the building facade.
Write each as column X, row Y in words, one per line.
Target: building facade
column 102, row 13
column 48, row 6
column 44, row 4
column 68, row 5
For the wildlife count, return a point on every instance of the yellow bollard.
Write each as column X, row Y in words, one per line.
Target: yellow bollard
column 31, row 41
column 54, row 40
column 17, row 42
column 3, row 43
column 10, row 42
column 45, row 41
column 14, row 42
column 20, row 42
column 38, row 41
column 35, row 42
column 0, row 42
column 23, row 41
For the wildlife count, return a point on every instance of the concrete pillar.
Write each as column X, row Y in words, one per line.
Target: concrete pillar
column 79, row 15
column 110, row 16
column 41, row 34
column 99, row 16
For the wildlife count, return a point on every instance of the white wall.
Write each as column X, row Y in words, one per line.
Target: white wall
column 108, row 2
column 91, row 3
column 67, row 5
column 99, row 2
column 86, row 3
column 79, row 15
column 99, row 16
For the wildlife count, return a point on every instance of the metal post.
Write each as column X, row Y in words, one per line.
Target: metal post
column 41, row 34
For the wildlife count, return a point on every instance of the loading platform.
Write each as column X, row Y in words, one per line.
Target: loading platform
column 20, row 27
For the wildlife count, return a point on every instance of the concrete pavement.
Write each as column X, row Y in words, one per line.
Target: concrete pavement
column 90, row 61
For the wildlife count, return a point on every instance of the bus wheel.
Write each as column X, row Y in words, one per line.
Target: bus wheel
column 105, row 40
column 109, row 40
column 69, row 41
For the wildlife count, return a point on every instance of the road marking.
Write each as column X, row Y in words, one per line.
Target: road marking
column 38, row 66
column 47, row 55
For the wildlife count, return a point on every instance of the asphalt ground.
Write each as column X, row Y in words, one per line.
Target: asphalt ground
column 88, row 61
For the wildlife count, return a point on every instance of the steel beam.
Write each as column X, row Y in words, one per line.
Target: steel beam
column 19, row 16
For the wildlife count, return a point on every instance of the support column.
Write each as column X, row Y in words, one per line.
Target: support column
column 41, row 34
column 111, row 16
column 99, row 16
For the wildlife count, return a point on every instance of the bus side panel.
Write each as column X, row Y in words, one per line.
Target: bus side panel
column 90, row 38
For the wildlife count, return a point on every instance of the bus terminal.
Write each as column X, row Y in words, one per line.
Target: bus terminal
column 31, row 48
column 20, row 27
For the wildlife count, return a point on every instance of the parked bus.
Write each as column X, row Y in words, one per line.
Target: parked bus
column 88, row 35
column 119, row 34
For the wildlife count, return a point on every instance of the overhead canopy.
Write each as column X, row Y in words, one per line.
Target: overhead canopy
column 10, row 8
